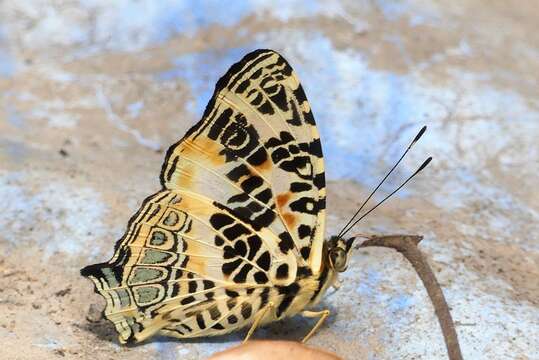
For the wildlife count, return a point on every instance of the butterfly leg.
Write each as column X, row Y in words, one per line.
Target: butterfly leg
column 258, row 318
column 322, row 315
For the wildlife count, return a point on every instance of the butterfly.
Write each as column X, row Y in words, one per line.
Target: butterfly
column 235, row 236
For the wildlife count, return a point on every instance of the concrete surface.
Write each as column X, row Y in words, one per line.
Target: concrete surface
column 92, row 92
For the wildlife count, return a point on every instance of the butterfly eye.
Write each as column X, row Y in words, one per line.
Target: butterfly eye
column 337, row 258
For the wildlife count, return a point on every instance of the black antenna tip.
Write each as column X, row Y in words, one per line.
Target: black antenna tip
column 421, row 132
column 424, row 165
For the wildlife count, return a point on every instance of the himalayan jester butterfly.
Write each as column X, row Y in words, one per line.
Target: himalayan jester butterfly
column 235, row 237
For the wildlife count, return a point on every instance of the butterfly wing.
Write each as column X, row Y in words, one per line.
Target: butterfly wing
column 259, row 150
column 186, row 266
column 240, row 212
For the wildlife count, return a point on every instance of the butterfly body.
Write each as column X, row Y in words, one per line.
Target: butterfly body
column 235, row 237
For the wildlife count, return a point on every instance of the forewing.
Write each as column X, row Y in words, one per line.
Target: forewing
column 257, row 151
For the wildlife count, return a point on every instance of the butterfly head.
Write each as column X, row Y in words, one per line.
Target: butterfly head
column 338, row 250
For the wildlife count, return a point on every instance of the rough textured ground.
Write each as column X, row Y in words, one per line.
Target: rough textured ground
column 91, row 94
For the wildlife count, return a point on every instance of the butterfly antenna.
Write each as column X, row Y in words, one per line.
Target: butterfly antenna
column 417, row 137
column 424, row 165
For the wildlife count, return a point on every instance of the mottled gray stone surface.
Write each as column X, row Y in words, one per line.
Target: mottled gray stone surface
column 91, row 93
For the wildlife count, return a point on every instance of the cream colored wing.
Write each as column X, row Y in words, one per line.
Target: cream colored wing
column 181, row 262
column 258, row 150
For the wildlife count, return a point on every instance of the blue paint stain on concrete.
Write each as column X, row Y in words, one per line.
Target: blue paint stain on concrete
column 7, row 65
column 133, row 25
column 7, row 68
column 400, row 303
column 368, row 284
column 14, row 118
column 395, row 10
column 16, row 151
column 74, row 219
column 135, row 108
column 165, row 348
column 190, row 16
column 170, row 349
column 158, row 21
column 392, row 10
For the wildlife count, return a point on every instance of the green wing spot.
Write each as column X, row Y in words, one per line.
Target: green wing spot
column 146, row 294
column 152, row 256
column 144, row 275
column 171, row 219
column 158, row 238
